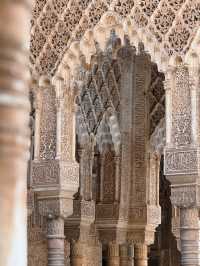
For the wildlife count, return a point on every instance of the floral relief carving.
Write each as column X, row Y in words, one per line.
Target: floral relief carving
column 164, row 18
column 123, row 7
column 178, row 38
column 48, row 124
column 76, row 17
column 181, row 108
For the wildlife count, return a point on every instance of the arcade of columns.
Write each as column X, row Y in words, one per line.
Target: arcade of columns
column 113, row 175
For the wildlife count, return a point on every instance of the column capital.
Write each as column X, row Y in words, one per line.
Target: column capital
column 182, row 170
column 185, row 196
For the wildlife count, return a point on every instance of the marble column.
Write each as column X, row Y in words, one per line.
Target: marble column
column 55, row 237
column 189, row 236
column 14, row 132
column 113, row 254
column 140, row 253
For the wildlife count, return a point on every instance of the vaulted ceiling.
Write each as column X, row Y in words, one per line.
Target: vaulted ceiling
column 173, row 24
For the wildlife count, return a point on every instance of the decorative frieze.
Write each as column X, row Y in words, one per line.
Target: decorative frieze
column 181, row 161
column 45, row 173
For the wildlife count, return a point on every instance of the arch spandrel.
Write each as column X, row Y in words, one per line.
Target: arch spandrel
column 166, row 28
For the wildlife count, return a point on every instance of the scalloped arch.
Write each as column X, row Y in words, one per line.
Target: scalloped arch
column 98, row 36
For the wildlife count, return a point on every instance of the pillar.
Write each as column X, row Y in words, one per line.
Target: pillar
column 55, row 172
column 182, row 154
column 78, row 254
column 189, row 236
column 55, row 237
column 141, row 257
column 113, row 254
column 14, row 133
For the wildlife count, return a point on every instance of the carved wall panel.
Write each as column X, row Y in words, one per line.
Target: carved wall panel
column 181, row 108
column 108, row 176
column 48, row 124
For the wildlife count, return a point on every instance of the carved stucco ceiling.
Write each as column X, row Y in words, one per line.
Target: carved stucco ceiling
column 57, row 23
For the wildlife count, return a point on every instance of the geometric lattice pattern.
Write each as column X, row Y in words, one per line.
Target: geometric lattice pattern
column 56, row 23
column 156, row 98
column 100, row 92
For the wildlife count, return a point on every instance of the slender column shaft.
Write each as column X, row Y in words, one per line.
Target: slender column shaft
column 55, row 236
column 113, row 255
column 140, row 254
column 189, row 235
column 14, row 134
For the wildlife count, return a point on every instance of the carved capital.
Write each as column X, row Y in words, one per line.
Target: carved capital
column 56, row 207
column 140, row 236
column 78, row 249
column 55, row 228
column 185, row 196
column 55, row 184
